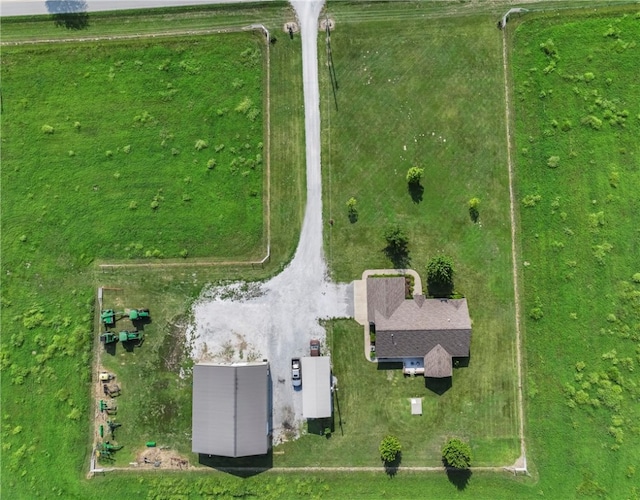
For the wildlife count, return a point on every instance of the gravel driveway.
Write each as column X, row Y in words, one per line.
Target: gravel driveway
column 275, row 320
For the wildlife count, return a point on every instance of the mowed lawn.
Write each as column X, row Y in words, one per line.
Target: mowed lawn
column 577, row 104
column 135, row 149
column 409, row 93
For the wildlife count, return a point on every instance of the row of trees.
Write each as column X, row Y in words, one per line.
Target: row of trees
column 455, row 453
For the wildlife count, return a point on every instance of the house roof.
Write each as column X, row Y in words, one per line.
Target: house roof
column 316, row 387
column 413, row 327
column 437, row 363
column 230, row 412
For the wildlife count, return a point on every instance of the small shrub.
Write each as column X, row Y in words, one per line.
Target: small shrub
column 184, row 253
column 109, row 153
column 186, row 197
column 211, row 164
column 531, row 200
column 601, row 251
column 47, row 129
column 389, row 448
column 200, row 145
column 592, row 121
column 614, row 179
column 553, row 161
column 244, row 106
column 23, row 238
column 133, row 205
column 175, row 152
column 589, row 77
column 126, row 149
column 155, row 205
column 116, row 176
column 636, row 278
column 473, row 209
column 72, row 153
column 566, row 126
column 219, row 148
column 76, row 125
column 414, row 175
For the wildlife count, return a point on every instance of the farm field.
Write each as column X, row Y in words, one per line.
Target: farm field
column 577, row 108
column 165, row 161
column 429, row 100
column 576, row 447
column 50, row 277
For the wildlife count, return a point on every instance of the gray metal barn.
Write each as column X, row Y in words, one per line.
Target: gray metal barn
column 230, row 409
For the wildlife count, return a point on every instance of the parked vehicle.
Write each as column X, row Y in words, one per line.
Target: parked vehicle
column 296, row 372
column 314, row 347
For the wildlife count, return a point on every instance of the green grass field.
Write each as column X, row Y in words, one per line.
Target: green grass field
column 373, row 401
column 576, row 446
column 48, row 283
column 124, row 176
column 578, row 122
column 428, row 99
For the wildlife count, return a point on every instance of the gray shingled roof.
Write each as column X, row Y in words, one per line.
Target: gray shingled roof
column 413, row 327
column 230, row 413
column 437, row 363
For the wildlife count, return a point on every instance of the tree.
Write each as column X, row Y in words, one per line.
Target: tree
column 473, row 209
column 414, row 175
column 440, row 271
column 390, row 448
column 397, row 243
column 352, row 209
column 456, row 453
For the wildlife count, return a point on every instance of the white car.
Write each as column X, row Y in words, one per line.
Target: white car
column 296, row 372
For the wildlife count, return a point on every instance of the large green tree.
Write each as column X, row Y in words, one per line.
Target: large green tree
column 440, row 276
column 456, row 453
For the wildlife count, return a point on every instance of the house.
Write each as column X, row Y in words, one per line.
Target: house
column 316, row 391
column 231, row 409
column 425, row 334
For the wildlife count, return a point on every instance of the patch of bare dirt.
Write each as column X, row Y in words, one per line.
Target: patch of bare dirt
column 160, row 458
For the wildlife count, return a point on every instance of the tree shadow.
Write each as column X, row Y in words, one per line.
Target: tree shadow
column 439, row 290
column 438, row 385
column 70, row 14
column 353, row 217
column 474, row 215
column 416, row 191
column 458, row 477
column 391, row 468
column 398, row 255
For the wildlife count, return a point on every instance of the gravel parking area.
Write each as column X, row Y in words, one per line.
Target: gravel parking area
column 274, row 321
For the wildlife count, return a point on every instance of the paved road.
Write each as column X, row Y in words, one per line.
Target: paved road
column 35, row 7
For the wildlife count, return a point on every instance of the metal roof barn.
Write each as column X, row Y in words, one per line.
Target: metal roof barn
column 230, row 409
column 316, row 387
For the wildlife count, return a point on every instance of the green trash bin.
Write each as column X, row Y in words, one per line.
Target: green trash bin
column 151, row 444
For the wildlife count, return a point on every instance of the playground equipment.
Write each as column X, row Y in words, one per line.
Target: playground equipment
column 108, row 338
column 113, row 425
column 104, row 454
column 126, row 336
column 107, row 446
column 107, row 408
column 111, row 391
column 139, row 314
